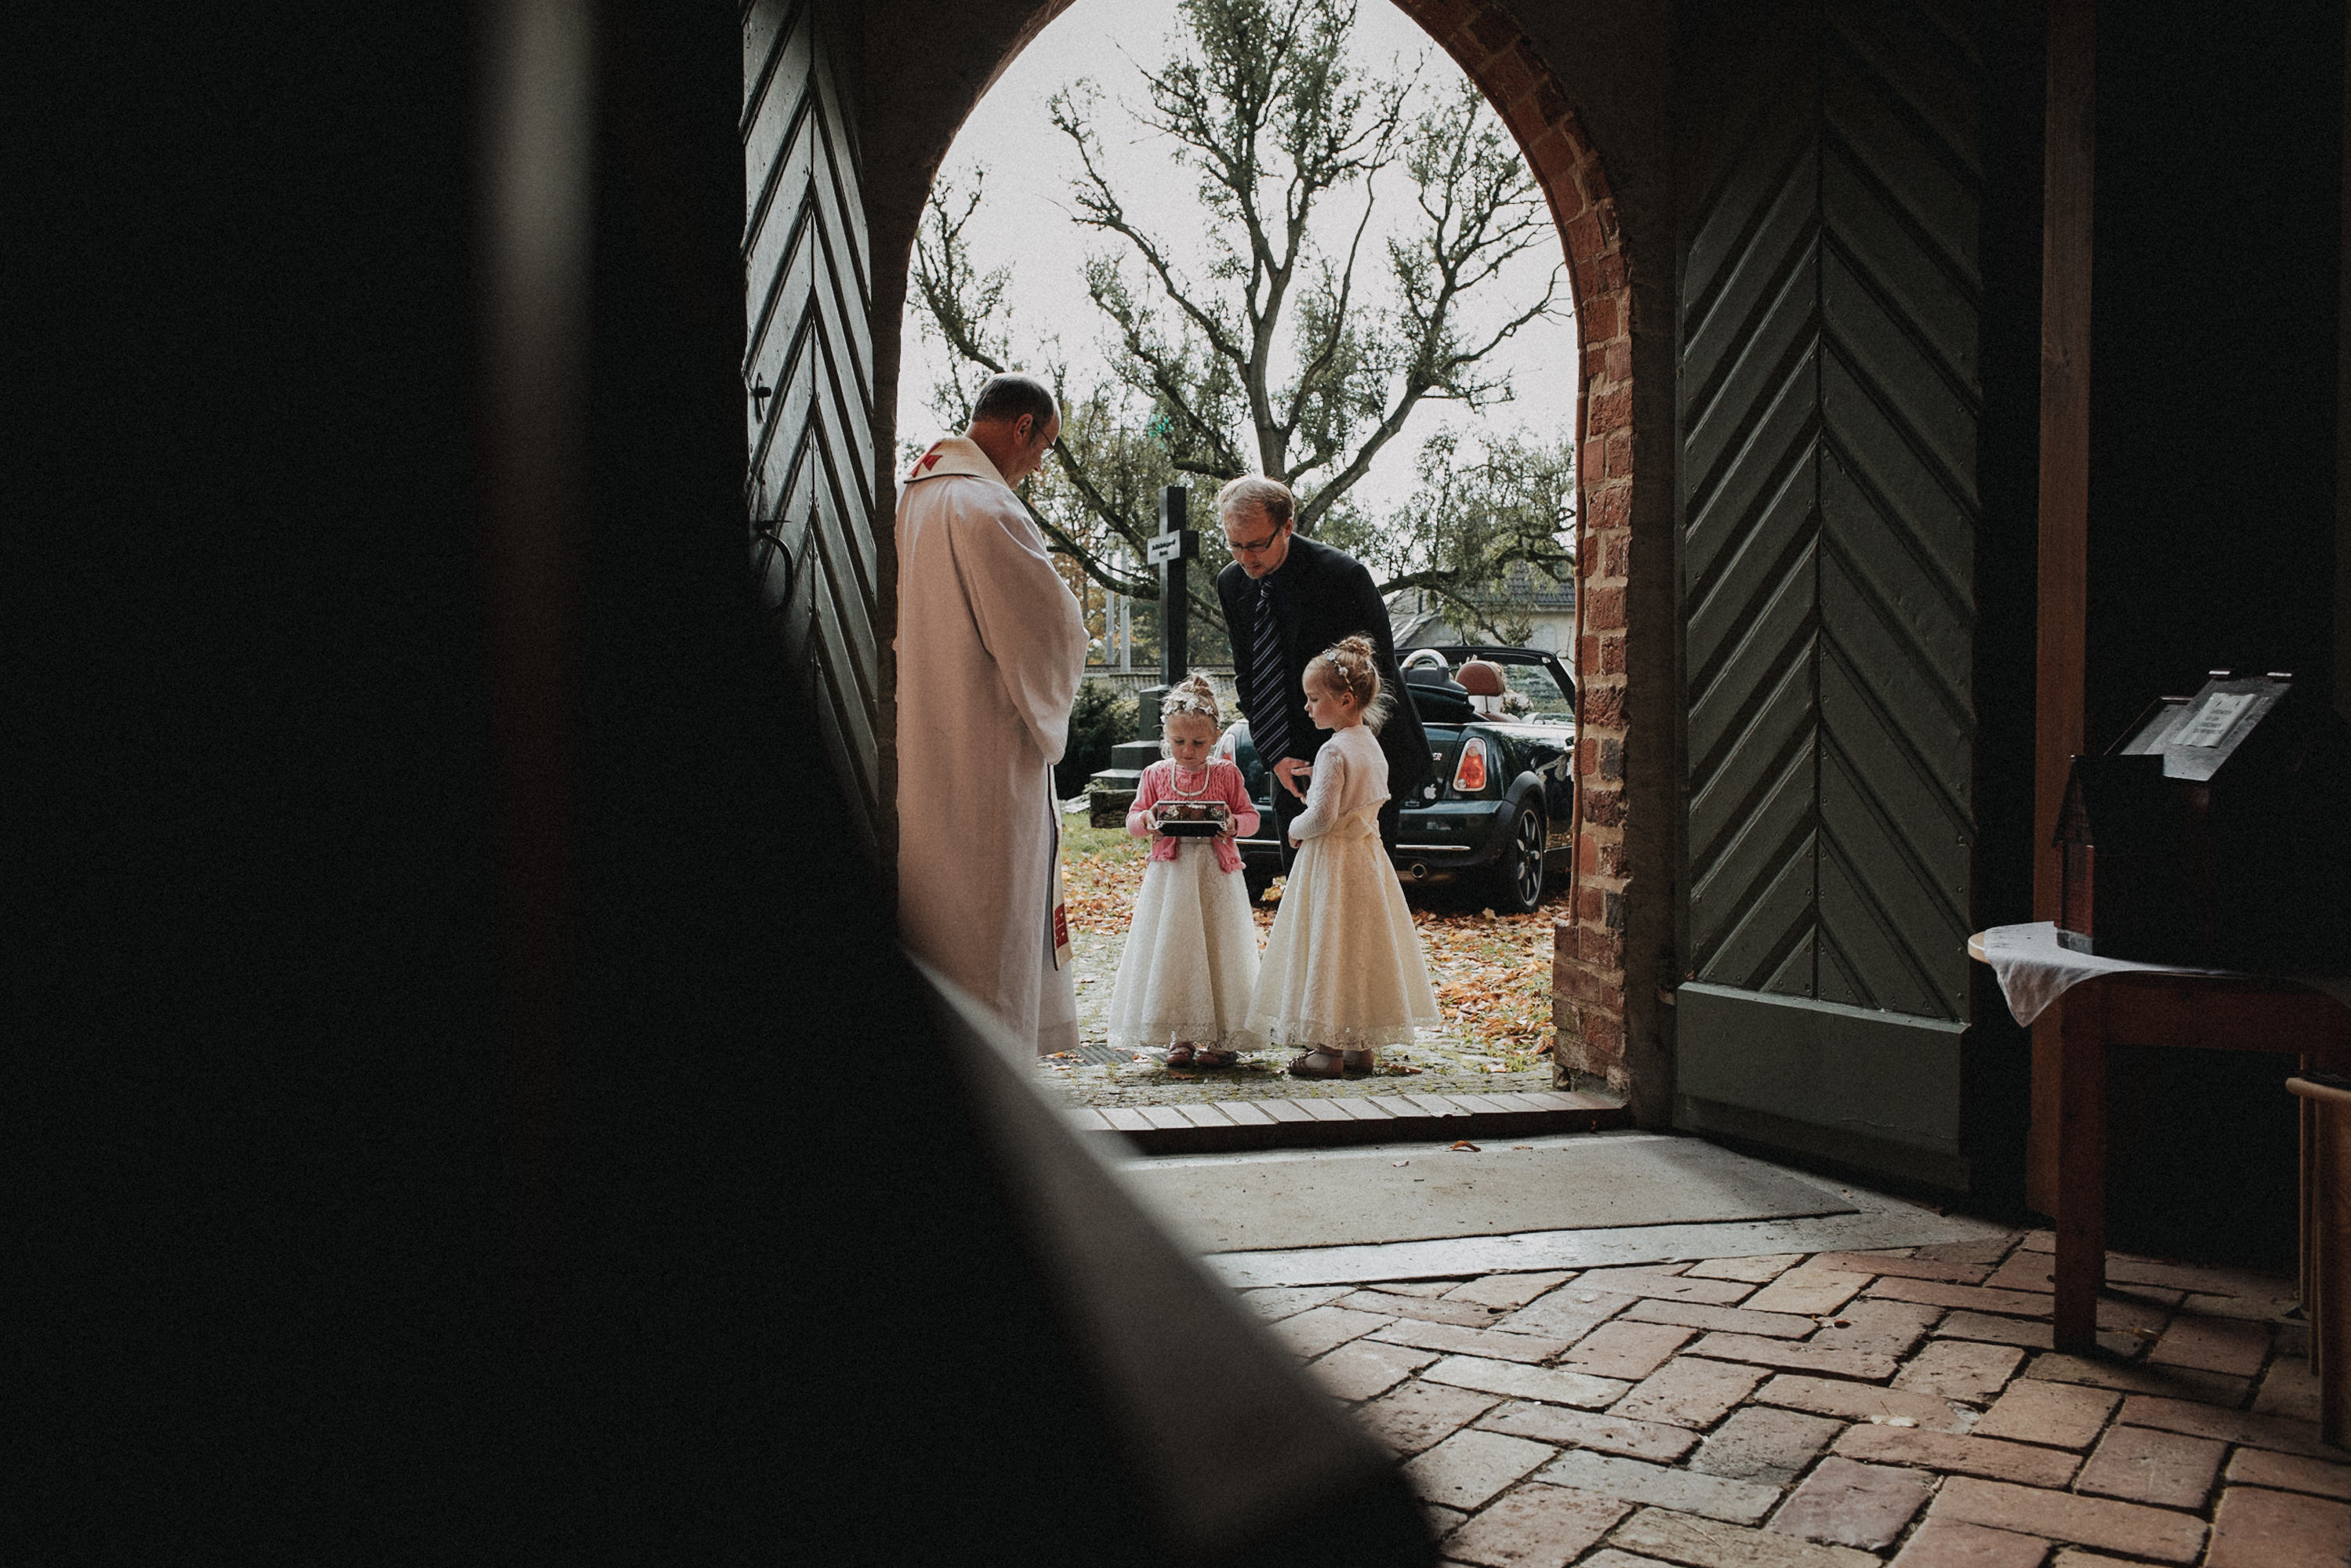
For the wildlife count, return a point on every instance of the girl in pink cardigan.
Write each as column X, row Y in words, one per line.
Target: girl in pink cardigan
column 1190, row 964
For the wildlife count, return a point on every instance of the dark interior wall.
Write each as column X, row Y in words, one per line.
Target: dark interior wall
column 2217, row 216
column 1996, row 1065
column 2213, row 491
column 2342, row 438
column 305, row 1264
column 251, row 1048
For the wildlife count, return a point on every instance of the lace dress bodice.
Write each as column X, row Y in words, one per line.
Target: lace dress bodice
column 1346, row 789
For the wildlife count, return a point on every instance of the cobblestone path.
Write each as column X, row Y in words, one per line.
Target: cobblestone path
column 1840, row 1410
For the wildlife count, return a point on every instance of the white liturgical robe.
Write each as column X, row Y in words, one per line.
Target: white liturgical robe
column 991, row 647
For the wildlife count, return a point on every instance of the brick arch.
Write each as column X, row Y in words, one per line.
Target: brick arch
column 1588, row 961
column 972, row 44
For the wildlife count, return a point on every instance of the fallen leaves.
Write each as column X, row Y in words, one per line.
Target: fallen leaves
column 1099, row 887
column 1492, row 974
column 1465, row 1145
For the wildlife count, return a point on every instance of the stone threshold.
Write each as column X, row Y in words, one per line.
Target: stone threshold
column 1221, row 1126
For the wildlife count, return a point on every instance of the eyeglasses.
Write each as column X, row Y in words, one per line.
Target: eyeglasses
column 1235, row 546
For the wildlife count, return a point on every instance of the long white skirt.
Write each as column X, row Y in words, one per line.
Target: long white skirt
column 1190, row 964
column 1343, row 968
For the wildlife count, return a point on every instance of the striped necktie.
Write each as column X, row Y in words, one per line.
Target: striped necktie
column 1271, row 722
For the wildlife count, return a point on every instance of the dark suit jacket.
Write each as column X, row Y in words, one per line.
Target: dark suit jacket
column 1326, row 594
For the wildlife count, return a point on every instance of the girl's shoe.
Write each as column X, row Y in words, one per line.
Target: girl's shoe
column 1209, row 1056
column 1319, row 1064
column 1359, row 1064
column 1179, row 1056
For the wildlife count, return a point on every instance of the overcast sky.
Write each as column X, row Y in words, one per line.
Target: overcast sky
column 1024, row 225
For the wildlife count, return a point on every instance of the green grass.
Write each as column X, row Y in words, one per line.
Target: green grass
column 1110, row 843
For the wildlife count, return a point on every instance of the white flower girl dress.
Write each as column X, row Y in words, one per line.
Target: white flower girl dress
column 1343, row 969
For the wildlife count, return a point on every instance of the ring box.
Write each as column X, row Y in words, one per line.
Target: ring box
column 1191, row 818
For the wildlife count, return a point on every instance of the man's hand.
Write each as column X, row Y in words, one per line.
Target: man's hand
column 1290, row 771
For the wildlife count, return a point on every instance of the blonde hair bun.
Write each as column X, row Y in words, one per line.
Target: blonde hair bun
column 1192, row 695
column 1351, row 665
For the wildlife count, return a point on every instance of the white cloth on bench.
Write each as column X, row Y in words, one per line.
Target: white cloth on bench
column 2035, row 969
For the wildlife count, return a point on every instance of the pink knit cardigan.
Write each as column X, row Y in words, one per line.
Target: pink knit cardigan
column 1223, row 784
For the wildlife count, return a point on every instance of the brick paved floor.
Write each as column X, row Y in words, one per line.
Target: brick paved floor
column 1840, row 1410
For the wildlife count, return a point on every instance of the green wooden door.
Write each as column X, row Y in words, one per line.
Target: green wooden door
column 1829, row 397
column 807, row 268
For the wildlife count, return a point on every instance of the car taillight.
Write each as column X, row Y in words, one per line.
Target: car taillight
column 1470, row 773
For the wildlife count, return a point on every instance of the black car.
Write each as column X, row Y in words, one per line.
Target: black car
column 1499, row 808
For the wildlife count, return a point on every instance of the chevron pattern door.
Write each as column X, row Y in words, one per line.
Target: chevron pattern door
column 809, row 368
column 1829, row 400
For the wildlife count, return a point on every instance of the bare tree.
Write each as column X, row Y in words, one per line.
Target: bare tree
column 1098, row 500
column 1291, row 354
column 1479, row 533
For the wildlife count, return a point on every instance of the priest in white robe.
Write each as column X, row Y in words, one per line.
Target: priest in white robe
column 991, row 648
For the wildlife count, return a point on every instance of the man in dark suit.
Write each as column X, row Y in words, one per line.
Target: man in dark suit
column 1285, row 598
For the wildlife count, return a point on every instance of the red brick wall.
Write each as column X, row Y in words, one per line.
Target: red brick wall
column 1588, row 961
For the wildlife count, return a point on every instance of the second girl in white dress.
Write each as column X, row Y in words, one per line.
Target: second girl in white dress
column 1343, row 973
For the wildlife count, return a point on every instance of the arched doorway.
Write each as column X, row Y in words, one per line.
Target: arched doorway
column 831, row 230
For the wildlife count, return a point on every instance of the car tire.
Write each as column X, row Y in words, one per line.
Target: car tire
column 1257, row 886
column 1517, row 883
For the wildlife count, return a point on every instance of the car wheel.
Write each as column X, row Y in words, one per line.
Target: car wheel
column 1519, row 877
column 1257, row 885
